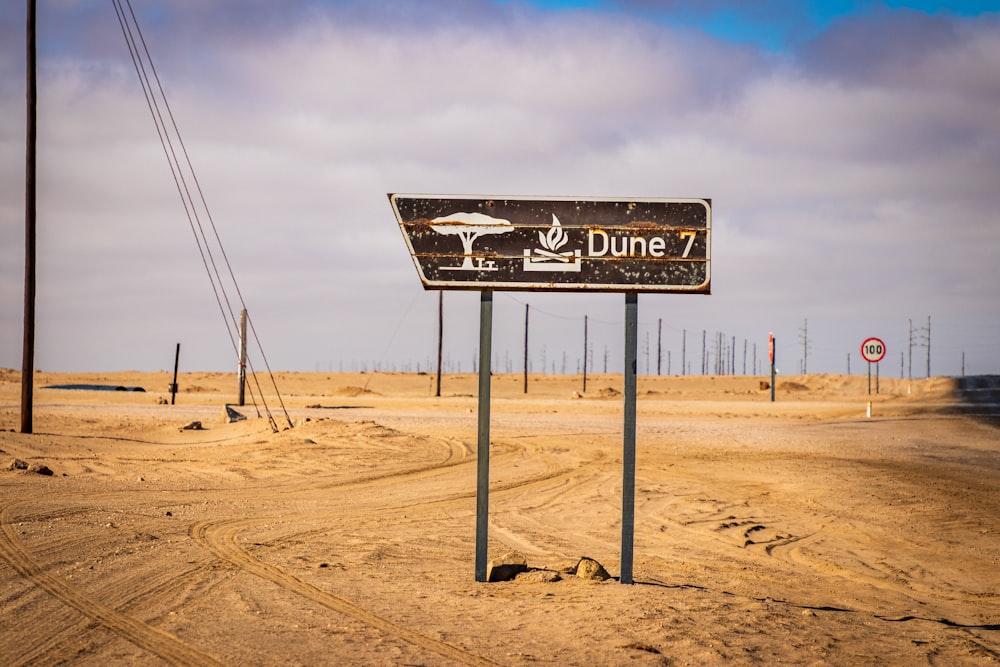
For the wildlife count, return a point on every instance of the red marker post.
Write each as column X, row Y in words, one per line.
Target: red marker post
column 770, row 355
column 872, row 351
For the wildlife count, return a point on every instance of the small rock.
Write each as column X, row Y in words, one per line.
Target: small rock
column 40, row 469
column 17, row 464
column 540, row 576
column 588, row 568
column 193, row 426
column 309, row 441
column 506, row 567
column 231, row 416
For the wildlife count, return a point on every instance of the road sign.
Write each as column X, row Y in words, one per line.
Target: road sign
column 558, row 243
column 873, row 349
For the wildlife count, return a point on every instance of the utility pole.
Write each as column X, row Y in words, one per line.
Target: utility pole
column 684, row 355
column 525, row 348
column 909, row 367
column 659, row 343
column 928, row 346
column 31, row 141
column 646, row 350
column 732, row 357
column 704, row 360
column 585, row 354
column 173, row 385
column 804, row 335
column 243, row 356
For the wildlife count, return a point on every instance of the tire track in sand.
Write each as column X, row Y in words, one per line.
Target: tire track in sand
column 160, row 643
column 220, row 538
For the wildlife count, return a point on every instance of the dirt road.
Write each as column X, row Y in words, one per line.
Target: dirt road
column 798, row 532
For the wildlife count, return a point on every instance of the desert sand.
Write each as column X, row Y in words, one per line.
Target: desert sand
column 796, row 532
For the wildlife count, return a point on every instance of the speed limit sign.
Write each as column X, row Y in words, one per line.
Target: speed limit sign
column 873, row 349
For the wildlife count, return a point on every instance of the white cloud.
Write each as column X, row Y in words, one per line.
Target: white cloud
column 854, row 202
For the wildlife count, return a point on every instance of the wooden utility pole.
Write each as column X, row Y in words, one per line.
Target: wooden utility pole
column 28, row 344
column 173, row 385
column 243, row 357
column 585, row 354
column 525, row 348
column 659, row 344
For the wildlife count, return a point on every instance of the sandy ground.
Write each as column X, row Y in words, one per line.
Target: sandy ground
column 796, row 532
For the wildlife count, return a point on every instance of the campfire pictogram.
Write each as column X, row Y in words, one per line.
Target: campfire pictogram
column 548, row 257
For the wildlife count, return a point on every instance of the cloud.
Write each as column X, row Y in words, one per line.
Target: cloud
column 853, row 182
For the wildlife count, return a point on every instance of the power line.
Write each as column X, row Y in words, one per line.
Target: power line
column 132, row 33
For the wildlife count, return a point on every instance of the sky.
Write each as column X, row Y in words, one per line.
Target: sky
column 850, row 149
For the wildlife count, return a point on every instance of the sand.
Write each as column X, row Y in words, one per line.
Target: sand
column 795, row 532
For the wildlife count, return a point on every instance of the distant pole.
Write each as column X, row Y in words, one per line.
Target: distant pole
column 440, row 338
column 771, row 344
column 525, row 348
column 805, row 345
column 732, row 356
column 909, row 366
column 31, row 141
column 659, row 343
column 243, row 356
column 704, row 359
column 928, row 346
column 585, row 354
column 684, row 356
column 173, row 385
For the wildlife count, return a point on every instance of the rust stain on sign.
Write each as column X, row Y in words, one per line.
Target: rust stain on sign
column 558, row 244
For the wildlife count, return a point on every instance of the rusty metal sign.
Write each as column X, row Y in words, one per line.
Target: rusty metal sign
column 558, row 244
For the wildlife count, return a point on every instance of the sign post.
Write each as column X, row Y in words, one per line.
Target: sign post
column 565, row 244
column 872, row 350
column 770, row 356
column 483, row 440
column 628, row 441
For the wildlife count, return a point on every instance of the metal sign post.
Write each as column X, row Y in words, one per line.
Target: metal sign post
column 628, row 442
column 483, row 442
column 558, row 244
